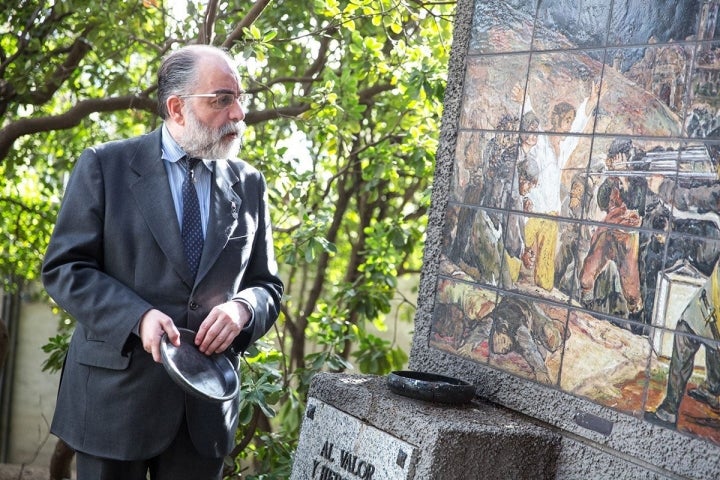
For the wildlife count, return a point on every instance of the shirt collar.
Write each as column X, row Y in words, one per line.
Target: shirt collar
column 171, row 151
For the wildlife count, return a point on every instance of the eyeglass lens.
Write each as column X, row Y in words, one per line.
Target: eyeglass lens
column 225, row 100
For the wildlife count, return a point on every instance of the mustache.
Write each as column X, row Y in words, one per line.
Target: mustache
column 216, row 136
column 232, row 128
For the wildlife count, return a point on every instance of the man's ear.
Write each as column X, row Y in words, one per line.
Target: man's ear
column 174, row 106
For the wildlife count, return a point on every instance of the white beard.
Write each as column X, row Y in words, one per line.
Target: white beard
column 205, row 142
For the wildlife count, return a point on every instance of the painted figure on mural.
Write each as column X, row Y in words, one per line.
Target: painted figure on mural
column 461, row 221
column 475, row 245
column 516, row 330
column 552, row 155
column 519, row 325
column 500, row 156
column 477, row 238
column 653, row 255
column 525, row 178
column 698, row 326
column 574, row 240
column 693, row 215
column 519, row 256
column 457, row 316
column 621, row 196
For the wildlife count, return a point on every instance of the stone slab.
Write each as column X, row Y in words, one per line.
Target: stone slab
column 23, row 472
column 478, row 440
column 336, row 446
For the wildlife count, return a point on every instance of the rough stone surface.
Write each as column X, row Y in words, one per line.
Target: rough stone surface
column 335, row 443
column 478, row 440
column 452, row 442
column 23, row 472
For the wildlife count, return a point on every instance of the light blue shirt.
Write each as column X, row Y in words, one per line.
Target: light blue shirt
column 171, row 153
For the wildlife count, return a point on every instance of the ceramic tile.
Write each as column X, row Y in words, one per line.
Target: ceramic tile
column 609, row 272
column 460, row 324
column 604, row 363
column 554, row 172
column 686, row 287
column 703, row 115
column 469, row 165
column 526, row 337
column 540, row 244
column 641, row 94
column 573, row 243
column 493, row 92
column 502, row 27
column 562, row 91
column 651, row 262
column 624, row 178
column 641, row 22
column 581, row 24
column 685, row 399
column 474, row 250
column 694, row 204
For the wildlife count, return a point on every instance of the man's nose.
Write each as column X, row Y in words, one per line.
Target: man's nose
column 237, row 112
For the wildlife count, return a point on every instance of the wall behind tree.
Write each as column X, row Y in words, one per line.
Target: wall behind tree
column 33, row 391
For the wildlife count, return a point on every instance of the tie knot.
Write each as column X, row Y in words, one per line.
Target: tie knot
column 190, row 162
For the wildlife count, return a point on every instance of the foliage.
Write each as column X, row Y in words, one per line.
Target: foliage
column 344, row 117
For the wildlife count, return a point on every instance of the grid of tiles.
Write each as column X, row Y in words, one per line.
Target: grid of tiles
column 582, row 234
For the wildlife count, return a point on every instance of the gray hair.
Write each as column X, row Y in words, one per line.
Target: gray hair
column 179, row 72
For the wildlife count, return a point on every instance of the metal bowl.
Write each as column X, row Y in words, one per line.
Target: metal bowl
column 210, row 377
column 430, row 387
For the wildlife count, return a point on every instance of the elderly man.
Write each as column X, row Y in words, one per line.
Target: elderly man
column 155, row 233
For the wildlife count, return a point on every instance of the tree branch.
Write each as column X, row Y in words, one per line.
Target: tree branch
column 71, row 118
column 206, row 29
column 77, row 52
column 271, row 114
column 248, row 20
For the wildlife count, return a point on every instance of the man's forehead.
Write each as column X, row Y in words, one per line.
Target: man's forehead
column 218, row 75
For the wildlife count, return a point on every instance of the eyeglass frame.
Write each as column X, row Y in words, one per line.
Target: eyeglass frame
column 237, row 97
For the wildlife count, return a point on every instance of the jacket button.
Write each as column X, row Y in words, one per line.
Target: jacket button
column 193, row 305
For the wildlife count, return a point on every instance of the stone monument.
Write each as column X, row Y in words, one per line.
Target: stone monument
column 570, row 272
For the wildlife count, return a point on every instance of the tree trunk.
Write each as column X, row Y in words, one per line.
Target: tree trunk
column 4, row 341
column 60, row 461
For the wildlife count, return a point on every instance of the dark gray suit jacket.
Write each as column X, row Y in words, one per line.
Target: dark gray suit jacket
column 115, row 253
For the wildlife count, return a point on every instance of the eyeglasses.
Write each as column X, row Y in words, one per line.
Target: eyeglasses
column 221, row 100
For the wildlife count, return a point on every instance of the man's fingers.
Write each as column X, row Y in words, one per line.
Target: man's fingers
column 172, row 332
column 221, row 326
column 152, row 327
column 212, row 339
column 220, row 343
column 157, row 356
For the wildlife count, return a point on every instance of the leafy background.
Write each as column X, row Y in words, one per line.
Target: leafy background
column 344, row 113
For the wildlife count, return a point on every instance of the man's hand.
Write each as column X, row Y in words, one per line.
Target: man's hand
column 152, row 326
column 528, row 258
column 221, row 326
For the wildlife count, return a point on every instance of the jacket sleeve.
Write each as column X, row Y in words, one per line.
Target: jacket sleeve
column 262, row 288
column 73, row 271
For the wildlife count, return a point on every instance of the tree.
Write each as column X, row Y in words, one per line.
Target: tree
column 345, row 103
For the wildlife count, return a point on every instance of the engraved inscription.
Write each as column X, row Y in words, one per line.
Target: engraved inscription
column 350, row 467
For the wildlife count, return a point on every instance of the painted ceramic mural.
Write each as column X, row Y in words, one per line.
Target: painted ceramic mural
column 582, row 234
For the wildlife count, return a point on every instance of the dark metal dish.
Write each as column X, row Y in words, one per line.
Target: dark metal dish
column 430, row 387
column 210, row 377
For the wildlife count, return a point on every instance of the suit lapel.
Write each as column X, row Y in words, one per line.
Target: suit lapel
column 223, row 218
column 154, row 199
